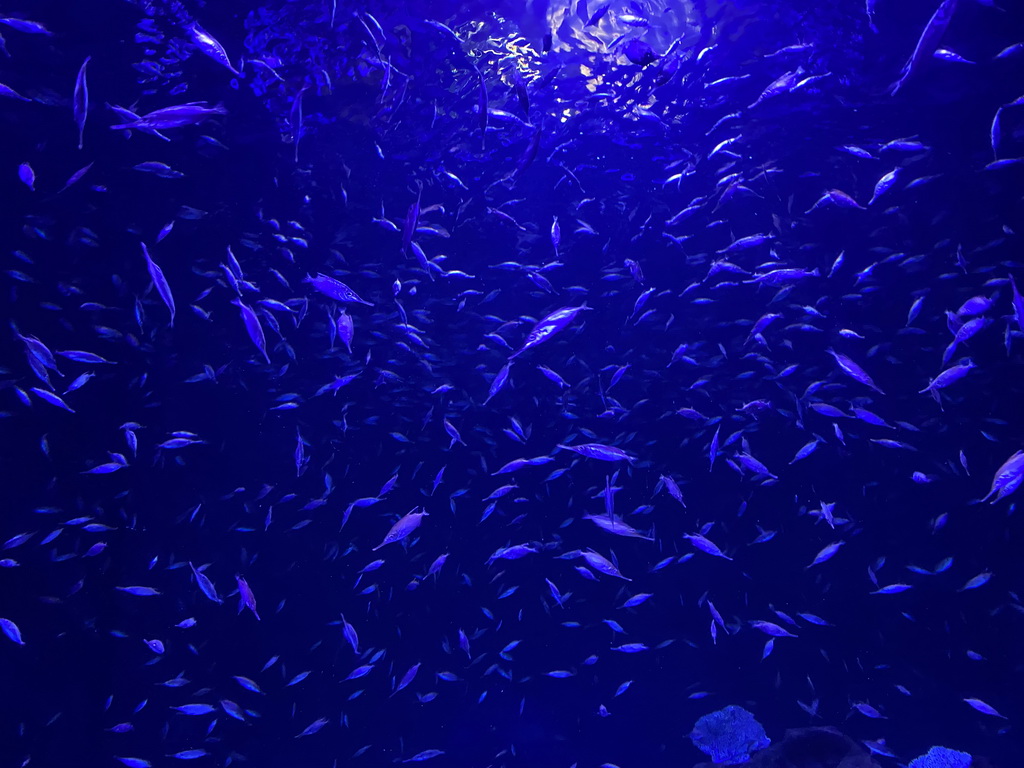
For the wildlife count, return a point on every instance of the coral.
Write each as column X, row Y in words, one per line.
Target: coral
column 729, row 735
column 941, row 757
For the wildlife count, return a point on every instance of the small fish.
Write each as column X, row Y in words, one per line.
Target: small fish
column 162, row 170
column 81, row 101
column 407, row 678
column 26, row 26
column 360, row 671
column 499, row 381
column 980, row 580
column 27, row 176
column 159, row 281
column 834, row 198
column 334, row 289
column 985, row 709
column 195, row 710
column 884, row 185
column 868, row 711
column 548, row 327
column 616, row 525
column 814, row 619
column 313, row 727
column 209, row 46
column 11, row 630
column 194, row 754
column 8, row 92
column 249, row 685
column 949, row 376
column 927, row 43
column 177, row 116
column 246, row 598
column 51, row 398
column 253, row 327
column 806, row 451
column 602, row 564
column 205, row 585
column 346, row 330
column 782, row 277
column 673, row 489
column 140, row 591
column 426, row 754
column 631, row 648
column 704, row 544
column 892, row 589
column 854, row 371
column 637, row 599
column 401, row 529
column 771, row 629
column 1008, row 477
column 827, row 553
column 599, row 451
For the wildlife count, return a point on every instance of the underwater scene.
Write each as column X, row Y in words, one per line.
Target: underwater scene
column 512, row 383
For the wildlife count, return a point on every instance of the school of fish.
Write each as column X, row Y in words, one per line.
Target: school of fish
column 393, row 382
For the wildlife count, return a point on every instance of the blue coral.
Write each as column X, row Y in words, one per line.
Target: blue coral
column 941, row 757
column 730, row 735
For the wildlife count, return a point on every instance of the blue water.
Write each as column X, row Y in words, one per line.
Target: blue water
column 770, row 225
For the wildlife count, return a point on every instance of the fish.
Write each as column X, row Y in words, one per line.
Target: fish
column 602, row 564
column 27, row 176
column 159, row 169
column 313, row 727
column 176, row 116
column 1008, row 478
column 334, row 289
column 295, row 119
column 499, row 381
column 403, row 527
column 253, row 327
column 949, row 376
column 985, row 709
column 892, row 589
column 206, row 43
column 246, row 598
column 827, row 553
column 205, row 585
column 599, row 451
column 704, row 544
column 927, row 43
column 977, row 581
column 771, row 629
column 25, row 25
column 673, row 488
column 617, row 526
column 9, row 93
column 346, row 330
column 51, row 398
column 159, row 282
column 12, row 631
column 426, row 754
column 194, row 710
column 547, row 327
column 81, row 102
column 853, row 370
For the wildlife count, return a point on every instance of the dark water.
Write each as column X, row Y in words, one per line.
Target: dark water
column 743, row 115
